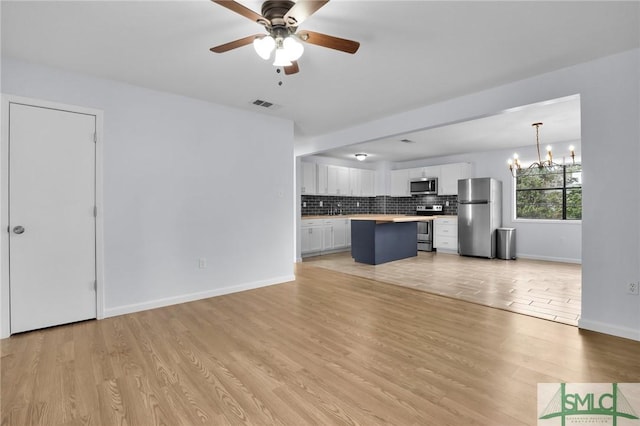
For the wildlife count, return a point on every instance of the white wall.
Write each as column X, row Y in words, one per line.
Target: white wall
column 183, row 180
column 555, row 241
column 610, row 96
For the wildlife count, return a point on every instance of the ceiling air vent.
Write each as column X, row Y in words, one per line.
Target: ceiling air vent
column 265, row 104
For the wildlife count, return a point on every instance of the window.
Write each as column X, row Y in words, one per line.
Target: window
column 550, row 194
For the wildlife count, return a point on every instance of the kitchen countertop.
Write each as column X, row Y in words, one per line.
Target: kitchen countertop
column 392, row 218
column 380, row 217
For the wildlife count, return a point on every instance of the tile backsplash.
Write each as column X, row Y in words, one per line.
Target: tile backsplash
column 382, row 204
column 311, row 205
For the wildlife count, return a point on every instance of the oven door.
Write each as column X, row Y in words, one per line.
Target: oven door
column 425, row 237
column 423, row 231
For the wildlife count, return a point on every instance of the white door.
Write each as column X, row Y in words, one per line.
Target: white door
column 52, row 227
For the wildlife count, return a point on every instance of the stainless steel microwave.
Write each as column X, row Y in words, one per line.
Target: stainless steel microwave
column 424, row 186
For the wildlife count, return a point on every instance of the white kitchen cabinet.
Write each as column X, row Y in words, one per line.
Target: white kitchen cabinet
column 446, row 234
column 449, row 176
column 361, row 183
column 340, row 232
column 337, row 180
column 308, row 184
column 322, row 179
column 355, row 182
column 324, row 235
column 367, row 183
column 416, row 173
column 327, row 235
column 424, row 172
column 400, row 183
column 431, row 171
column 311, row 234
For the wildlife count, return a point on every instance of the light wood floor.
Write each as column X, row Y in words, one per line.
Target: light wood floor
column 548, row 290
column 327, row 349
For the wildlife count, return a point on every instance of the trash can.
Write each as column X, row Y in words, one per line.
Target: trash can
column 506, row 243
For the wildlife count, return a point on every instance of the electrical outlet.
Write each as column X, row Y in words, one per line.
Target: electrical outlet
column 633, row 288
column 202, row 263
column 320, row 203
column 304, row 204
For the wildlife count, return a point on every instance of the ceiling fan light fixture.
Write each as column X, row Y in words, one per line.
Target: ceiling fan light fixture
column 282, row 58
column 293, row 48
column 264, row 46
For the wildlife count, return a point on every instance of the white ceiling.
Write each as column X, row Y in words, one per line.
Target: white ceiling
column 508, row 129
column 412, row 53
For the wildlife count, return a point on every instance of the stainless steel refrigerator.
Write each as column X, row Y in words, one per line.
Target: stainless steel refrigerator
column 479, row 215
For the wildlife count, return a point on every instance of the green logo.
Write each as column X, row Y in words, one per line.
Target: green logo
column 565, row 404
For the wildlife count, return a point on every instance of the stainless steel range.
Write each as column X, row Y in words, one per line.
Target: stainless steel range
column 425, row 229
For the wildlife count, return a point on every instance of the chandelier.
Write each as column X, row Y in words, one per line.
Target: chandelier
column 515, row 167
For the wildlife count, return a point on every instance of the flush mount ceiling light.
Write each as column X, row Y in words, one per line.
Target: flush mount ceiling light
column 361, row 156
column 280, row 19
column 515, row 167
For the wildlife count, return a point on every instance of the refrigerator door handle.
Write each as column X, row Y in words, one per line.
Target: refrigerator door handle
column 474, row 202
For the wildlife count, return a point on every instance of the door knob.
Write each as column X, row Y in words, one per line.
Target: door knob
column 18, row 229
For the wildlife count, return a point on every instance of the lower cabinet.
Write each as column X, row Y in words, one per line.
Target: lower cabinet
column 324, row 235
column 311, row 236
column 445, row 234
column 341, row 227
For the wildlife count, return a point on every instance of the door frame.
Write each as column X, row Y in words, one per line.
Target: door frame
column 5, row 305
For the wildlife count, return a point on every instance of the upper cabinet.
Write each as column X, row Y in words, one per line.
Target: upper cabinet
column 325, row 179
column 361, row 182
column 308, row 185
column 355, row 182
column 424, row 172
column 367, row 183
column 449, row 176
column 400, row 183
column 338, row 180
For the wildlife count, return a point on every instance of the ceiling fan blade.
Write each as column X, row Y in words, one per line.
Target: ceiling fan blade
column 319, row 39
column 235, row 44
column 292, row 69
column 240, row 9
column 302, row 10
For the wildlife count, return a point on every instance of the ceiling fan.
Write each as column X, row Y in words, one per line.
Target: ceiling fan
column 281, row 19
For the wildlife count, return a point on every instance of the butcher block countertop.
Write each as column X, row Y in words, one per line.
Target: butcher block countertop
column 382, row 217
column 392, row 218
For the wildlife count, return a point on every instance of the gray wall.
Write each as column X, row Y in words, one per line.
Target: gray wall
column 176, row 178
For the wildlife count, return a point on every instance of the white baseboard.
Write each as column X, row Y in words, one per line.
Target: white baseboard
column 159, row 303
column 548, row 258
column 614, row 330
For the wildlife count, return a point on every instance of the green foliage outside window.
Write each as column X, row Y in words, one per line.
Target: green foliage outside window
column 554, row 194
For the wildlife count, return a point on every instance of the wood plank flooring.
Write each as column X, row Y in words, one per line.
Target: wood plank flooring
column 326, row 349
column 548, row 290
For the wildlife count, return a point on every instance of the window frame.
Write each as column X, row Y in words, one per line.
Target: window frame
column 514, row 206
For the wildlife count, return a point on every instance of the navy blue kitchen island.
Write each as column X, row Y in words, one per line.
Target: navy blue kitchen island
column 379, row 239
